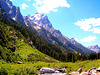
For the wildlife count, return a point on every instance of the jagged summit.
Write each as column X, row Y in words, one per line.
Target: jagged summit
column 41, row 20
column 72, row 39
column 95, row 48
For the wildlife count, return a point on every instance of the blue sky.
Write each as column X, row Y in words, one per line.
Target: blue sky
column 79, row 19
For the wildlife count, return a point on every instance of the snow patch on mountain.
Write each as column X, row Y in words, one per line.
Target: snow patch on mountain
column 37, row 27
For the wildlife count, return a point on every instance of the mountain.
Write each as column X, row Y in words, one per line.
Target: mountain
column 18, row 42
column 40, row 30
column 12, row 10
column 40, row 24
column 95, row 48
column 44, row 26
column 73, row 41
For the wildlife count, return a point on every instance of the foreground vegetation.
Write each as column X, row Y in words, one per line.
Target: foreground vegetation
column 32, row 68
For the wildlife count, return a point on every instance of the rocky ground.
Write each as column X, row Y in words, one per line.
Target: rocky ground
column 92, row 71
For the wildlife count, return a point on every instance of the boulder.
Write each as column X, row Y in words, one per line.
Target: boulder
column 18, row 62
column 62, row 70
column 84, row 73
column 46, row 70
column 80, row 70
column 98, row 70
column 98, row 73
column 74, row 73
column 92, row 70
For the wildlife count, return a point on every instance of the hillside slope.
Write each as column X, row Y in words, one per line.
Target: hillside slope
column 31, row 54
column 14, row 47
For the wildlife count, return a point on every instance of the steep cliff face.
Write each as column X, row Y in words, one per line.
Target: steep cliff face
column 12, row 10
column 42, row 21
column 95, row 48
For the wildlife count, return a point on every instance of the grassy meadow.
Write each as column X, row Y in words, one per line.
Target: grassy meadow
column 33, row 60
column 32, row 68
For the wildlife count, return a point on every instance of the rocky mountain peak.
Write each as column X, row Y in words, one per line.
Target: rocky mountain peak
column 41, row 20
column 37, row 16
column 72, row 39
column 95, row 48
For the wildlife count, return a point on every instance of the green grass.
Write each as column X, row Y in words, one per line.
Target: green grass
column 24, row 50
column 42, row 60
column 28, row 68
column 39, row 60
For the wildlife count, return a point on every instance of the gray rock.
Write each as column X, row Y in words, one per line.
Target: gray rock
column 46, row 70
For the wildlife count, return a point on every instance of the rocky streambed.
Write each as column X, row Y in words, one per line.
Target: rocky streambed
column 92, row 71
column 62, row 71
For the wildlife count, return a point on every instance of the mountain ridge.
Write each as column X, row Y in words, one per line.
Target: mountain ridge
column 95, row 48
column 44, row 22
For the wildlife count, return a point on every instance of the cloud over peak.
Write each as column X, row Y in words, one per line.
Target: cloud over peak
column 45, row 6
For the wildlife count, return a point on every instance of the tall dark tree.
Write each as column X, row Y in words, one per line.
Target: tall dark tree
column 92, row 56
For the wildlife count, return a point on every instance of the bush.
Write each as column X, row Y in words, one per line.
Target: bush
column 8, row 55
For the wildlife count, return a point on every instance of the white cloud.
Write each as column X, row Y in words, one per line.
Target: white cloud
column 24, row 6
column 88, row 39
column 45, row 6
column 95, row 30
column 10, row 0
column 83, row 24
column 90, row 24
